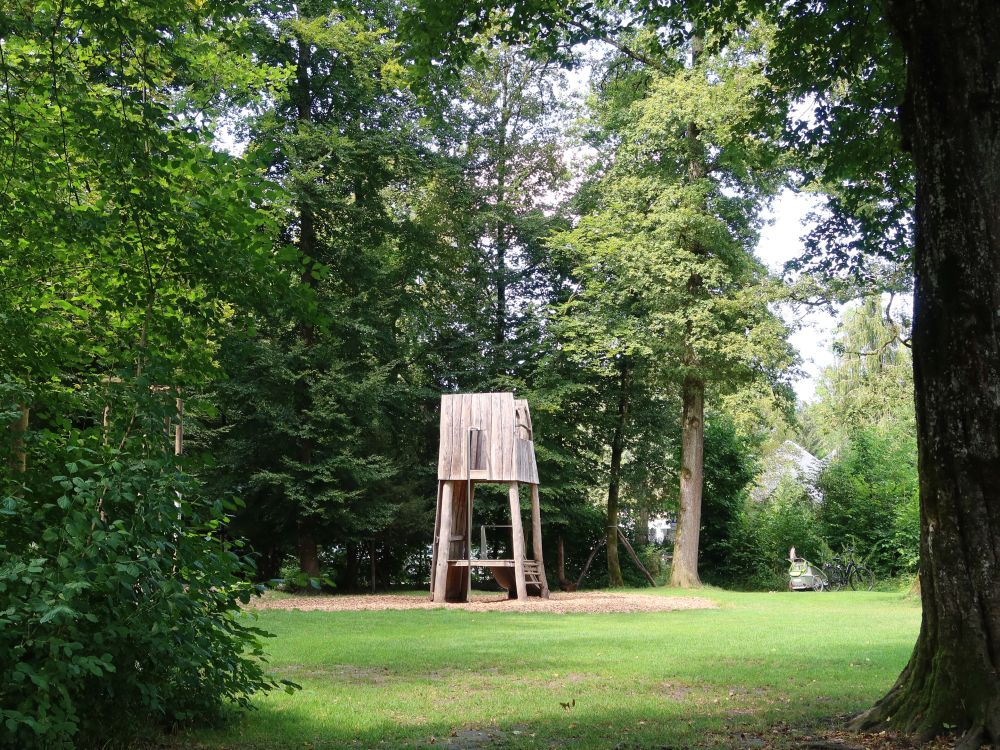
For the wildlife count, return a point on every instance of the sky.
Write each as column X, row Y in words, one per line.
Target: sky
column 780, row 241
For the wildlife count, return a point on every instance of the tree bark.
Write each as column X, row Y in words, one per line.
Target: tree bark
column 564, row 583
column 684, row 572
column 347, row 580
column 308, row 553
column 641, row 535
column 307, row 543
column 614, row 477
column 18, row 453
column 501, row 239
column 951, row 123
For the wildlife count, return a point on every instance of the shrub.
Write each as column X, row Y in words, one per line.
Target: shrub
column 729, row 468
column 869, row 495
column 768, row 530
column 120, row 601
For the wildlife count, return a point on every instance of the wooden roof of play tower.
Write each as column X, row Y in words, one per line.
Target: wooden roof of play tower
column 494, row 429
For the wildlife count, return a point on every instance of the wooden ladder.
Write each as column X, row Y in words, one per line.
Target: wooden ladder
column 533, row 575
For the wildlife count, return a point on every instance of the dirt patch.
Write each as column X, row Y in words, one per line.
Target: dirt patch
column 586, row 602
column 674, row 691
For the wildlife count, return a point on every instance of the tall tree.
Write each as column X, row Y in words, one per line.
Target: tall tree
column 501, row 128
column 668, row 288
column 344, row 138
column 125, row 242
column 870, row 384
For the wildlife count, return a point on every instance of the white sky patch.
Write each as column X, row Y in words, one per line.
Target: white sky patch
column 780, row 241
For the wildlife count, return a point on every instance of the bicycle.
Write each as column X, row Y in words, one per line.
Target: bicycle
column 845, row 570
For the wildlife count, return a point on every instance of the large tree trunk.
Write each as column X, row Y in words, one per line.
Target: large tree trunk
column 564, row 583
column 614, row 476
column 308, row 552
column 307, row 542
column 18, row 453
column 951, row 123
column 684, row 572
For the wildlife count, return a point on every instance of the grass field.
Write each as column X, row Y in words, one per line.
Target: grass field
column 727, row 677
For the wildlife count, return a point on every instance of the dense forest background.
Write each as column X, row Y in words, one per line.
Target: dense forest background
column 265, row 228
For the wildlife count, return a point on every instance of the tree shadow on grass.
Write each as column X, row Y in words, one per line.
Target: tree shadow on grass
column 680, row 716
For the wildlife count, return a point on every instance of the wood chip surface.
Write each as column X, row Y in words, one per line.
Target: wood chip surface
column 585, row 602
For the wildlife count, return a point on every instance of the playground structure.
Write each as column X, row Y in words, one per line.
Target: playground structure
column 485, row 437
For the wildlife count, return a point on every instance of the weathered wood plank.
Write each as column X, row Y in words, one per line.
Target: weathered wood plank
column 468, row 539
column 536, row 538
column 467, row 401
column 481, row 563
column 472, row 436
column 457, row 450
column 435, row 542
column 499, row 447
column 444, row 450
column 517, row 532
column 496, row 424
column 441, row 571
column 507, row 444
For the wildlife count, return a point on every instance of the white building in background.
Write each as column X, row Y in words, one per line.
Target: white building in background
column 662, row 530
column 790, row 461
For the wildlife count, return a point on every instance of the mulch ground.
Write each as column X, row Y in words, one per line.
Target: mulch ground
column 785, row 737
column 585, row 602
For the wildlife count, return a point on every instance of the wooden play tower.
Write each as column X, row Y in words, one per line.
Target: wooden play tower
column 485, row 437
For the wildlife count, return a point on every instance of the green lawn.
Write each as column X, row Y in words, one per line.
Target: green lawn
column 446, row 678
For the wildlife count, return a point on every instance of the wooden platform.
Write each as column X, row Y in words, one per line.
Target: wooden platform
column 482, row 563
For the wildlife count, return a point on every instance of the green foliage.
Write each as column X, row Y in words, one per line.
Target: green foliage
column 730, row 465
column 870, row 493
column 121, row 595
column 323, row 423
column 758, row 550
column 870, row 385
column 864, row 418
column 125, row 242
column 906, row 533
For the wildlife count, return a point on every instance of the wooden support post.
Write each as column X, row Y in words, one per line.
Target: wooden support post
column 470, row 488
column 536, row 538
column 635, row 559
column 436, row 538
column 517, row 532
column 179, row 429
column 443, row 532
column 19, row 454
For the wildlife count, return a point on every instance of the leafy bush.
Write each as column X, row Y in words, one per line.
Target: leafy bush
column 729, row 468
column 870, row 500
column 119, row 599
column 768, row 530
column 906, row 533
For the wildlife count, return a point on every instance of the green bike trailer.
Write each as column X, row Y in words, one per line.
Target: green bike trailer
column 804, row 576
